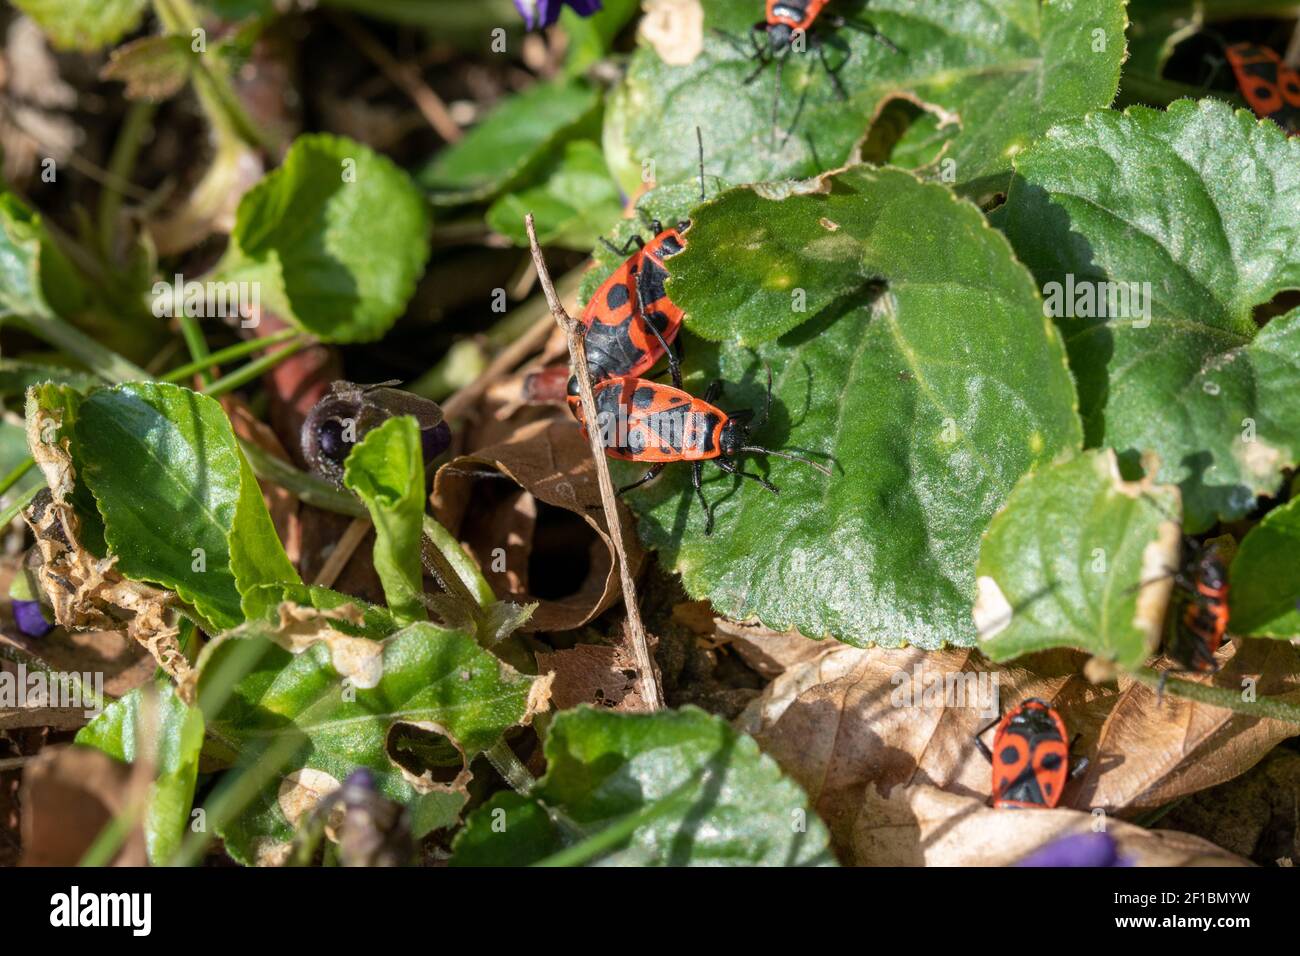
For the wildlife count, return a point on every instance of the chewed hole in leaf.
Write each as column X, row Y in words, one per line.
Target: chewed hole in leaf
column 908, row 132
column 429, row 757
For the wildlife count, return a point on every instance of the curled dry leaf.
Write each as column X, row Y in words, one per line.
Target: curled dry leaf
column 1149, row 755
column 924, row 826
column 851, row 722
column 594, row 674
column 69, row 795
column 85, row 591
column 528, row 510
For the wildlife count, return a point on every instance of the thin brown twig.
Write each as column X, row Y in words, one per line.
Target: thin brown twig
column 650, row 691
column 506, row 360
column 406, row 77
column 342, row 553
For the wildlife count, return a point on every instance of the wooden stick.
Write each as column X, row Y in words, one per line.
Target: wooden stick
column 407, row 78
column 650, row 691
column 510, row 356
column 342, row 553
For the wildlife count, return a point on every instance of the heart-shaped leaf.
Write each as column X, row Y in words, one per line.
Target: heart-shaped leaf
column 335, row 239
column 923, row 368
column 504, row 150
column 1079, row 557
column 674, row 788
column 181, row 507
column 999, row 73
column 1266, row 577
column 386, row 470
column 310, row 704
column 153, row 724
column 1192, row 217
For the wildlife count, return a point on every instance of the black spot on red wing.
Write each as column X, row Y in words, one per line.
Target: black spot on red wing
column 1051, row 761
column 1047, row 788
column 618, row 296
column 1009, row 755
column 650, row 283
column 635, row 440
column 643, row 397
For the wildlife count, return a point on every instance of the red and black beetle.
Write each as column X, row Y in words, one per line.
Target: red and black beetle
column 1030, row 756
column 1203, row 622
column 1270, row 86
column 660, row 424
column 617, row 322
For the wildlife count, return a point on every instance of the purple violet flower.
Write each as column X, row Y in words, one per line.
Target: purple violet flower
column 1078, row 849
column 30, row 618
column 542, row 13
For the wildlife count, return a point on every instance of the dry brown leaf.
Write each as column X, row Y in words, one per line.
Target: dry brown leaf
column 769, row 652
column 527, row 509
column 69, row 794
column 850, row 718
column 925, row 826
column 592, row 674
column 1150, row 755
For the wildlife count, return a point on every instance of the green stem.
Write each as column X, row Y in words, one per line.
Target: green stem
column 192, row 332
column 212, row 84
column 309, row 489
column 125, row 150
column 242, row 376
column 1221, row 697
column 15, row 476
column 104, row 362
column 466, row 571
column 230, row 354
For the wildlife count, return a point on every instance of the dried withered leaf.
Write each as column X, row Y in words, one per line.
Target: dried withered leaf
column 83, row 590
column 86, row 593
column 925, row 826
column 849, row 721
column 530, row 507
column 769, row 652
column 1149, row 755
column 69, row 794
column 596, row 674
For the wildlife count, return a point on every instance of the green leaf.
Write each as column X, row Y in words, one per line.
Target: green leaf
column 700, row 793
column 84, row 24
column 591, row 38
column 302, row 722
column 1202, row 205
column 512, row 143
column 336, row 238
column 36, row 279
column 931, row 397
column 573, row 206
column 1078, row 557
column 152, row 724
column 386, row 470
column 1002, row 72
column 1266, row 577
column 169, row 480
